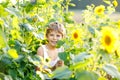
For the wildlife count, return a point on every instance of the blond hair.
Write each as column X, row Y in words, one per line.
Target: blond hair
column 56, row 26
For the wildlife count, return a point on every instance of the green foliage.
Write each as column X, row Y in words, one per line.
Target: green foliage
column 22, row 26
column 112, row 70
column 59, row 43
column 82, row 75
column 22, row 29
column 62, row 73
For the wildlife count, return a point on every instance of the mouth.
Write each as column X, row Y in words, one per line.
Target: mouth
column 54, row 42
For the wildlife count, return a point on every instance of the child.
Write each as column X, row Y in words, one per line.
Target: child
column 54, row 33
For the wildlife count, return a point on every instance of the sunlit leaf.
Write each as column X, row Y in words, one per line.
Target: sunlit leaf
column 112, row 70
column 62, row 73
column 91, row 30
column 71, row 4
column 79, row 65
column 60, row 43
column 28, row 27
column 102, row 78
column 40, row 18
column 14, row 11
column 13, row 2
column 8, row 77
column 3, row 13
column 2, row 39
column 86, row 75
column 82, row 56
column 107, row 1
column 15, row 23
column 39, row 36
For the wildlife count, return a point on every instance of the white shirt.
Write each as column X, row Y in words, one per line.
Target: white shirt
column 45, row 54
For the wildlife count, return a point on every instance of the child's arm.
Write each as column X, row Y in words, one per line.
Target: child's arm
column 59, row 63
column 39, row 53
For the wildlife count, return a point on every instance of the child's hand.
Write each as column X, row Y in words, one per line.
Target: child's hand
column 59, row 63
column 37, row 69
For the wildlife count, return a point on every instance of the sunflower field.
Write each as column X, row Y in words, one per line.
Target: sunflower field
column 92, row 47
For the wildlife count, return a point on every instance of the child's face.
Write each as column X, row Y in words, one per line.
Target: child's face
column 53, row 37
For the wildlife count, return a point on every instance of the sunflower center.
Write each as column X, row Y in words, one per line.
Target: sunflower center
column 15, row 34
column 75, row 35
column 99, row 10
column 107, row 40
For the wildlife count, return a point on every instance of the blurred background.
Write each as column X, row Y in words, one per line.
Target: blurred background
column 81, row 5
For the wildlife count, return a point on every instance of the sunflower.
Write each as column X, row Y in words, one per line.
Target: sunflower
column 76, row 35
column 99, row 9
column 15, row 34
column 115, row 3
column 109, row 39
column 15, row 23
column 13, row 53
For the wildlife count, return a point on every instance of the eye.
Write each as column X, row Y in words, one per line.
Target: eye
column 51, row 34
column 58, row 35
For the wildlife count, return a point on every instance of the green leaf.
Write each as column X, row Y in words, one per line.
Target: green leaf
column 107, row 1
column 91, row 30
column 2, row 39
column 18, row 45
column 68, row 17
column 14, row 11
column 63, row 55
column 21, row 73
column 62, row 73
column 28, row 7
column 72, row 4
column 102, row 78
column 13, row 73
column 82, row 56
column 112, row 70
column 8, row 77
column 4, row 3
column 55, row 7
column 5, row 77
column 5, row 61
column 79, row 65
column 39, row 36
column 28, row 27
column 2, row 76
column 3, row 13
column 85, row 75
column 59, row 43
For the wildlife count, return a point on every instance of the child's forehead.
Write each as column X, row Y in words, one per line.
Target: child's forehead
column 54, row 32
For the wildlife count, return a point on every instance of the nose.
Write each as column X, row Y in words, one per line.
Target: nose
column 54, row 37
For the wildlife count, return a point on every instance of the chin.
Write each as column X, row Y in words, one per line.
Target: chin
column 54, row 45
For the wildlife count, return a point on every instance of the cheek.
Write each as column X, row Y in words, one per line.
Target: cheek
column 60, row 38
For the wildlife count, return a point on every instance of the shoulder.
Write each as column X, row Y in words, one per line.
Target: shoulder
column 40, row 51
